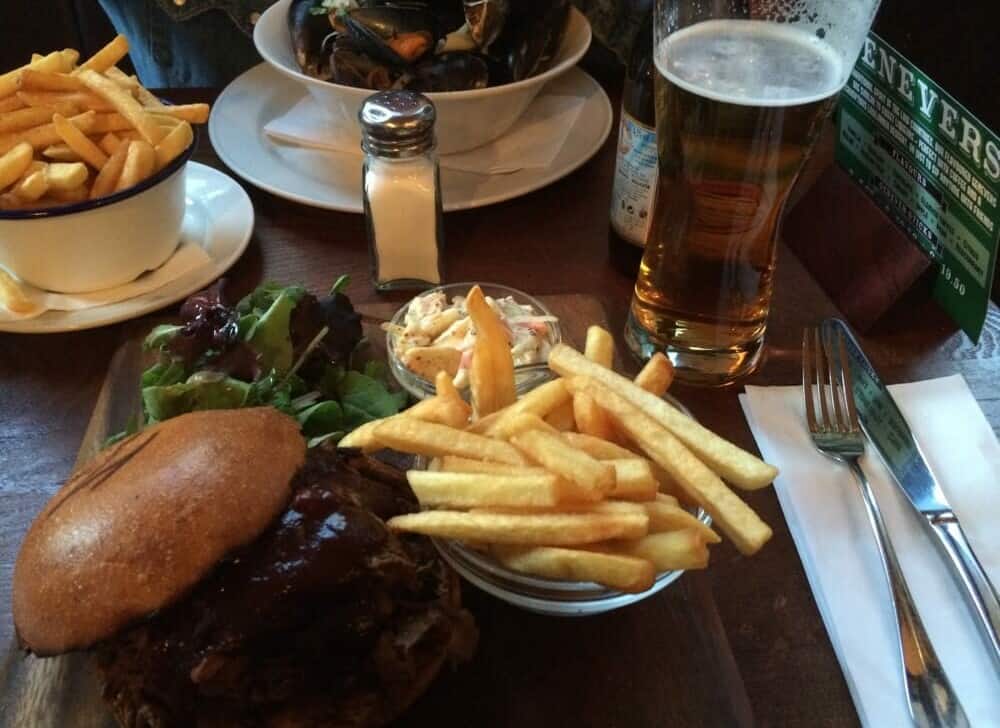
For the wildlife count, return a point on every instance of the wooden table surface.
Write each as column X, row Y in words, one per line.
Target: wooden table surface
column 739, row 644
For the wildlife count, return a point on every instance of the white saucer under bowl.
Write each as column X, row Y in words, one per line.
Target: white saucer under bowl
column 332, row 180
column 218, row 216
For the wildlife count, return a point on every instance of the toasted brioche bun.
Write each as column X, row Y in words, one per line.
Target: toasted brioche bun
column 137, row 527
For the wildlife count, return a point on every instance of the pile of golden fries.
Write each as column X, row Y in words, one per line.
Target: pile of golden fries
column 72, row 132
column 584, row 478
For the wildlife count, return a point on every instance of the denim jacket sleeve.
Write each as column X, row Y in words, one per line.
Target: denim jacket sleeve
column 241, row 12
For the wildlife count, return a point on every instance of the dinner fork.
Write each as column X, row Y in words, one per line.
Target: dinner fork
column 826, row 381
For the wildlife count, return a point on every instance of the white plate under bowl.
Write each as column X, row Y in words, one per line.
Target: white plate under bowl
column 218, row 216
column 332, row 180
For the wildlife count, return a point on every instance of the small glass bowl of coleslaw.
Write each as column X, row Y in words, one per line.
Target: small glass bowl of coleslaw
column 433, row 331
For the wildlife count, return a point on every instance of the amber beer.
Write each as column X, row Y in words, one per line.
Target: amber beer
column 739, row 104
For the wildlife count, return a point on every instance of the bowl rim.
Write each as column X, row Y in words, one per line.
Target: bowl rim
column 85, row 205
column 427, row 386
column 562, row 66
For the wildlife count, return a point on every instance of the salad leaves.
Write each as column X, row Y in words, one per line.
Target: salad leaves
column 280, row 346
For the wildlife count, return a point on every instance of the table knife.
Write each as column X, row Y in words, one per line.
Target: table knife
column 892, row 438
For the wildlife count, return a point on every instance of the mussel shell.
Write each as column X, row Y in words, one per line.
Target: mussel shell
column 457, row 71
column 372, row 27
column 486, row 19
column 349, row 66
column 531, row 36
column 307, row 31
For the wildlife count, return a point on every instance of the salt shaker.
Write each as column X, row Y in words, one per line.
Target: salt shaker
column 402, row 190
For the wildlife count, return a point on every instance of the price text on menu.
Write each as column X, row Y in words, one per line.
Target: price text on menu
column 931, row 166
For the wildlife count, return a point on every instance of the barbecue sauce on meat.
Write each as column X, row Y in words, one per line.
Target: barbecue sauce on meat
column 327, row 600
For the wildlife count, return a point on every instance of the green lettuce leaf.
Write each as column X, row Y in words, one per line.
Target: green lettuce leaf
column 365, row 399
column 164, row 402
column 264, row 296
column 321, row 418
column 160, row 336
column 163, row 373
column 270, row 336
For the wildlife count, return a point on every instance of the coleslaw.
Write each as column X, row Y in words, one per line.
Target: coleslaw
column 440, row 332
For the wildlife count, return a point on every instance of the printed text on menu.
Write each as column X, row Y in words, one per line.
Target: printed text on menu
column 932, row 167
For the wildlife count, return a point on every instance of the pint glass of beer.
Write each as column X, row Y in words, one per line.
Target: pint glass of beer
column 743, row 88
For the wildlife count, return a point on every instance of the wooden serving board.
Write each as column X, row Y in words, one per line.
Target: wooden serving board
column 665, row 661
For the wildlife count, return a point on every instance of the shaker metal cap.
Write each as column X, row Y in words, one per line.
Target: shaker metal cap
column 397, row 123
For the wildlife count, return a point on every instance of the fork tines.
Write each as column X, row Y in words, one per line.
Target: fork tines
column 825, row 366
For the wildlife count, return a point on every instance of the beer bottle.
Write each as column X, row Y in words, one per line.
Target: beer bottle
column 634, row 188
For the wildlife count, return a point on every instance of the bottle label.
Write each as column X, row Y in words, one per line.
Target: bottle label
column 634, row 190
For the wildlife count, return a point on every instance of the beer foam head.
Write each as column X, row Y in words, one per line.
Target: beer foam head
column 751, row 63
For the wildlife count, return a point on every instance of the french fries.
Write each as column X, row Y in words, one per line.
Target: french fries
column 12, row 296
column 735, row 465
column 600, row 346
column 140, row 160
column 458, row 464
column 551, row 452
column 656, row 376
column 15, row 163
column 596, row 447
column 491, row 373
column 633, row 480
column 55, row 62
column 193, row 113
column 665, row 515
column 591, row 419
column 443, row 410
column 627, row 573
column 425, row 438
column 66, row 176
column 582, row 478
column 540, row 402
column 69, row 113
column 684, row 549
column 77, row 141
column 124, row 104
column 427, row 361
column 34, row 183
column 25, row 118
column 471, row 490
column 111, row 141
column 744, row 527
column 543, row 529
column 107, row 178
column 105, row 58
column 562, row 417
column 521, row 423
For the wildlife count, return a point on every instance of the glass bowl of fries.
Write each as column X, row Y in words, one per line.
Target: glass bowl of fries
column 532, row 338
column 92, row 172
column 548, row 596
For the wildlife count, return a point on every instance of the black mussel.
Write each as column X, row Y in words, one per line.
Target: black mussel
column 396, row 36
column 448, row 14
column 351, row 67
column 308, row 29
column 458, row 71
column 486, row 19
column 531, row 36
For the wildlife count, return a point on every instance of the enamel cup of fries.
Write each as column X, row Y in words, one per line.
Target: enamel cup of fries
column 590, row 492
column 91, row 173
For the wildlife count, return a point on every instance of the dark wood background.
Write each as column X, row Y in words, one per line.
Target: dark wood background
column 737, row 644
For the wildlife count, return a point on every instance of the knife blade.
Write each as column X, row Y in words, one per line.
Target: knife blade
column 893, row 440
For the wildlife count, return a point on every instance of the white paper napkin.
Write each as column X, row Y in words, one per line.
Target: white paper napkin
column 187, row 257
column 532, row 143
column 827, row 520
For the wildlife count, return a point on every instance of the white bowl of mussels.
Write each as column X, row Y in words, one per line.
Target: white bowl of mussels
column 481, row 62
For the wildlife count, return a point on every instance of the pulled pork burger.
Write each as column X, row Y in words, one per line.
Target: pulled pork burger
column 223, row 576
